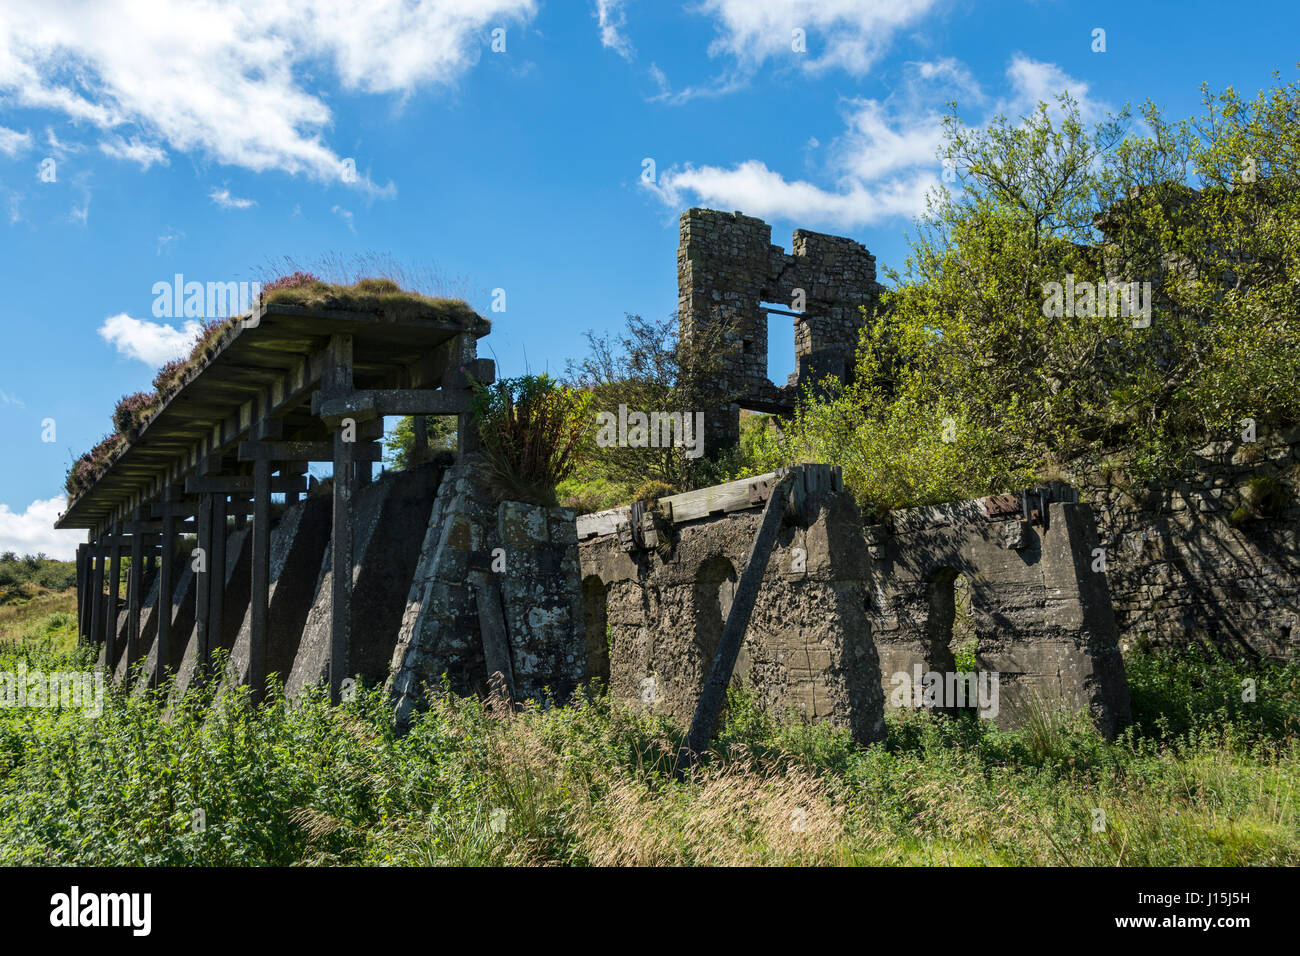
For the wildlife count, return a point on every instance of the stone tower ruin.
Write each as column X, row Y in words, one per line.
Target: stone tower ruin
column 730, row 277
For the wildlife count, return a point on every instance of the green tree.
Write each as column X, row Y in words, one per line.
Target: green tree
column 399, row 445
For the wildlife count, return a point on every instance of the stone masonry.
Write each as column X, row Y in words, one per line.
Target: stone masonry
column 727, row 266
column 846, row 606
column 1190, row 562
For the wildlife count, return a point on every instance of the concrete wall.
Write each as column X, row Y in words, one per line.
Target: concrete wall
column 1183, row 571
column 526, row 558
column 808, row 647
column 1042, row 616
column 844, row 607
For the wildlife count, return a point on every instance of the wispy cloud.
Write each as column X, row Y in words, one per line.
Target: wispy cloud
column 612, row 19
column 884, row 164
column 848, row 35
column 154, row 343
column 13, row 142
column 223, row 199
column 345, row 215
column 166, row 239
column 145, row 154
column 7, row 399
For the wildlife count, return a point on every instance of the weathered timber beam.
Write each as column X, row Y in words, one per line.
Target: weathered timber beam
column 135, row 582
column 393, row 401
column 163, row 612
column 304, row 451
column 240, row 484
column 338, row 380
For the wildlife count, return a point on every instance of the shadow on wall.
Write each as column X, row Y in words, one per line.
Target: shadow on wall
column 595, row 603
column 715, row 588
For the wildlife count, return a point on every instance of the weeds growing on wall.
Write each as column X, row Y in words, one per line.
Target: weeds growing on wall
column 534, row 434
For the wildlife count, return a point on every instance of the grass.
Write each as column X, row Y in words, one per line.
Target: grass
column 1201, row 779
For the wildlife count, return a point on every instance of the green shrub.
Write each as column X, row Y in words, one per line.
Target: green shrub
column 533, row 433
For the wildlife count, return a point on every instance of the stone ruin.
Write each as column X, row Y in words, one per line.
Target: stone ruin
column 449, row 585
column 728, row 268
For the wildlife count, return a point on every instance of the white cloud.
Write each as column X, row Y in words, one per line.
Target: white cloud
column 612, row 20
column 1033, row 81
column 840, row 34
column 13, row 142
column 223, row 199
column 32, row 531
column 345, row 215
column 167, row 239
column 7, row 399
column 758, row 191
column 228, row 78
column 885, row 162
column 154, row 343
column 136, row 151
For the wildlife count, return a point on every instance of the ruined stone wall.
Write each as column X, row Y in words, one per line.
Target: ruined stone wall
column 1041, row 617
column 525, row 558
column 1182, row 570
column 727, row 266
column 808, row 646
column 844, row 607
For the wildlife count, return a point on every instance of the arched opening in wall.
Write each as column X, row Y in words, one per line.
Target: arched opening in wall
column 951, row 642
column 595, row 605
column 715, row 588
column 780, row 341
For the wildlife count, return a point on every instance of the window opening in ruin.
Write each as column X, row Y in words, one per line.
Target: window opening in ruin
column 952, row 643
column 595, row 598
column 780, row 341
column 715, row 588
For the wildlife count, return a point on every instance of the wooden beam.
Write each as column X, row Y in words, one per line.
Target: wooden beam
column 240, row 484
column 97, row 592
column 492, row 631
column 305, row 451
column 202, row 586
column 114, row 592
column 705, row 720
column 260, row 592
column 133, row 596
column 163, row 611
column 83, row 591
column 217, row 565
column 341, row 562
column 377, row 403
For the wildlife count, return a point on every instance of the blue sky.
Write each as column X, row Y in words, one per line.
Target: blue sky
column 139, row 140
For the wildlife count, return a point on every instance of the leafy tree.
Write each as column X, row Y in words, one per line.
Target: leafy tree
column 440, row 435
column 981, row 370
column 647, row 368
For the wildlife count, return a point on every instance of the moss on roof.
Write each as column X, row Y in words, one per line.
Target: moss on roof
column 373, row 295
column 302, row 289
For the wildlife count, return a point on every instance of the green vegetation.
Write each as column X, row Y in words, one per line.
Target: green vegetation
column 399, row 445
column 1202, row 779
column 970, row 381
column 31, row 576
column 533, row 433
column 646, row 368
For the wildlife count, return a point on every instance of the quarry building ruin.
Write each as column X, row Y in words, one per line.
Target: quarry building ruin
column 451, row 586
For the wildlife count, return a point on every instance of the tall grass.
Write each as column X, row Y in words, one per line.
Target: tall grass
column 226, row 781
